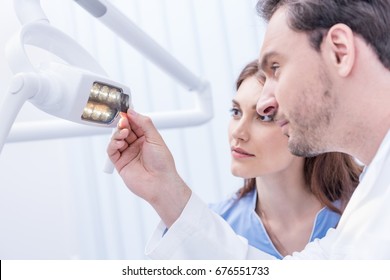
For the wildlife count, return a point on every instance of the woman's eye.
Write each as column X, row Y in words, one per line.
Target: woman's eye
column 266, row 118
column 234, row 112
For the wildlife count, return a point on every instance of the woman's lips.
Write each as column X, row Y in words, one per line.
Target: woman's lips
column 240, row 153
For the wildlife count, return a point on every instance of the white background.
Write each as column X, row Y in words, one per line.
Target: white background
column 55, row 201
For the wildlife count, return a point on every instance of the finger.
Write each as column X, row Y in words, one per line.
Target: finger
column 133, row 120
column 118, row 142
column 120, row 134
column 113, row 149
column 123, row 138
column 134, row 132
column 124, row 133
column 142, row 125
column 123, row 122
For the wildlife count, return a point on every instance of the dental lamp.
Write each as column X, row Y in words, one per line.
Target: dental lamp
column 79, row 89
column 70, row 92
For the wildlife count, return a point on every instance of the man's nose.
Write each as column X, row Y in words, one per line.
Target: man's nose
column 267, row 104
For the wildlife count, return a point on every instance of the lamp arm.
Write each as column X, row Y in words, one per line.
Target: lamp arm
column 122, row 26
column 29, row 11
column 23, row 86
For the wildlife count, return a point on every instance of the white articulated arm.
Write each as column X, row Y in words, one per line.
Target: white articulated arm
column 37, row 31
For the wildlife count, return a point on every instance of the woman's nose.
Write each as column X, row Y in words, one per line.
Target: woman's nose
column 240, row 131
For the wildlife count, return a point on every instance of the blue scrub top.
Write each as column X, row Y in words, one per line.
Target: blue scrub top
column 241, row 215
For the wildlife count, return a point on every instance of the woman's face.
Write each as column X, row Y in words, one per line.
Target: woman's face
column 258, row 146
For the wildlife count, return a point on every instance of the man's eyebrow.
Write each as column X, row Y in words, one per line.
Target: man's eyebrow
column 265, row 60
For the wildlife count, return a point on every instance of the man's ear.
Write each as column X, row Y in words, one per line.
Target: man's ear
column 340, row 47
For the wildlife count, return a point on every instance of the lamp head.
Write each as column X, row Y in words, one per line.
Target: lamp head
column 104, row 103
column 80, row 96
column 78, row 90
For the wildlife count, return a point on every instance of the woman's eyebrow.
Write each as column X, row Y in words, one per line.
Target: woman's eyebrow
column 235, row 102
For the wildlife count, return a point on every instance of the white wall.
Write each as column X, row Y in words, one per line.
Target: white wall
column 55, row 201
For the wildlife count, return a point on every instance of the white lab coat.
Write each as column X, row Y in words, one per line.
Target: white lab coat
column 363, row 231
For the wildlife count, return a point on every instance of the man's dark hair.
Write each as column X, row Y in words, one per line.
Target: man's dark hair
column 370, row 19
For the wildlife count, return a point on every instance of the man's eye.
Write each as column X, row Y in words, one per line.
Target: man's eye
column 274, row 68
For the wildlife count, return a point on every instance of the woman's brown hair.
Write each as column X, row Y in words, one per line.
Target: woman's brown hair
column 329, row 176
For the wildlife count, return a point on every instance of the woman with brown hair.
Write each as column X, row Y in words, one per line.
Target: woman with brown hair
column 286, row 201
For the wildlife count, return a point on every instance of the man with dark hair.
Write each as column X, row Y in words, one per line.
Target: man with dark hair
column 327, row 85
column 327, row 68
